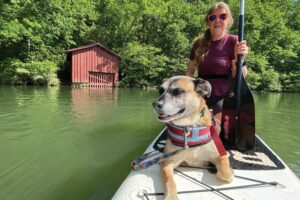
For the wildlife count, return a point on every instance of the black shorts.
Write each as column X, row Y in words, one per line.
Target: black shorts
column 215, row 103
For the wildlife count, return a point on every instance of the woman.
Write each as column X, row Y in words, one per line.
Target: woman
column 215, row 55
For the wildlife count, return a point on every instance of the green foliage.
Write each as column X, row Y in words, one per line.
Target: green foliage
column 290, row 82
column 154, row 38
column 35, row 72
column 33, row 33
column 273, row 34
column 270, row 81
column 146, row 64
column 254, row 80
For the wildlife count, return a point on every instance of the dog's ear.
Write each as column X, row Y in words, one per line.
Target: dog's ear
column 202, row 87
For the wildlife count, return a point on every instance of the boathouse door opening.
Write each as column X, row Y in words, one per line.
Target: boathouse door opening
column 100, row 79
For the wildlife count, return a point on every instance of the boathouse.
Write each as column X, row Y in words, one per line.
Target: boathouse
column 94, row 65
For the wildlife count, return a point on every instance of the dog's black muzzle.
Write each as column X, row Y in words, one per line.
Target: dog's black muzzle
column 157, row 105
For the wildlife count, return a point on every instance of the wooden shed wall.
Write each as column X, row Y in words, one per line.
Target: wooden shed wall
column 93, row 59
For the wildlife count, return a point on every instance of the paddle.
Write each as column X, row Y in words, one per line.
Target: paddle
column 238, row 114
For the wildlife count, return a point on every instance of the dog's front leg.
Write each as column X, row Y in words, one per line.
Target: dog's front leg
column 167, row 173
column 225, row 172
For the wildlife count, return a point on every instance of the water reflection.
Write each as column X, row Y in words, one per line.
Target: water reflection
column 277, row 115
column 88, row 102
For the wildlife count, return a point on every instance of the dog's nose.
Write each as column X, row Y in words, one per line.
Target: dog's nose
column 157, row 105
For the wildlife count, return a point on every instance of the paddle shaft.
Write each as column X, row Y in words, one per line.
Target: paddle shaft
column 239, row 72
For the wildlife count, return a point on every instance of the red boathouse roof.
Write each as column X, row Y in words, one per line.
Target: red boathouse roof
column 94, row 45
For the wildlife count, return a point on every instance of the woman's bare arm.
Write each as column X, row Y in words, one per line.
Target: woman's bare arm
column 191, row 68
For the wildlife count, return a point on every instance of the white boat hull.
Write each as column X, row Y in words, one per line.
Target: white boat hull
column 275, row 181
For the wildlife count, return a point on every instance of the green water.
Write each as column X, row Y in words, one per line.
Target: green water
column 64, row 143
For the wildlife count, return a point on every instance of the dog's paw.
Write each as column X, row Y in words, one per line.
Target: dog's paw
column 225, row 172
column 225, row 175
column 171, row 197
column 171, row 194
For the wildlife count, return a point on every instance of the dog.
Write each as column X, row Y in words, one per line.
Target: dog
column 182, row 106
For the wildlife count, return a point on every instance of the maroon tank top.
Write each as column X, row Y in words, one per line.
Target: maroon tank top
column 216, row 64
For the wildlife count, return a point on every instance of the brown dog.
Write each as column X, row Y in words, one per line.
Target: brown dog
column 183, row 107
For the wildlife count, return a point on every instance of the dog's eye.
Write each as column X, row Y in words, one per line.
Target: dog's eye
column 161, row 90
column 177, row 92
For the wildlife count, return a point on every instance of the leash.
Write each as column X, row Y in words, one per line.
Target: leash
column 142, row 162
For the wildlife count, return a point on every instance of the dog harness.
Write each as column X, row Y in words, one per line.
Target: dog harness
column 195, row 136
column 184, row 137
column 191, row 136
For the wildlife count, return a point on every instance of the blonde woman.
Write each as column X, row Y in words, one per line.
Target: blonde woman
column 214, row 56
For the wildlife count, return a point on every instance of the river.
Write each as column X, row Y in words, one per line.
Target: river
column 69, row 143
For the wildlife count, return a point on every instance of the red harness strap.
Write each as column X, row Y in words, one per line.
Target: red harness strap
column 219, row 145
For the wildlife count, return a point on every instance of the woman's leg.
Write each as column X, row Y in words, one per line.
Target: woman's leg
column 216, row 104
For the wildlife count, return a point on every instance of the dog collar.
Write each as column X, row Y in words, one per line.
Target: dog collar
column 195, row 136
column 190, row 136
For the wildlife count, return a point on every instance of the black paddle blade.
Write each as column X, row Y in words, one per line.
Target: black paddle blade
column 244, row 138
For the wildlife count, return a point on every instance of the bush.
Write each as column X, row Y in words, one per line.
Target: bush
column 27, row 73
column 141, row 65
column 290, row 82
column 270, row 81
column 253, row 80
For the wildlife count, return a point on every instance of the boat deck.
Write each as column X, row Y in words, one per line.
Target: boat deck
column 259, row 174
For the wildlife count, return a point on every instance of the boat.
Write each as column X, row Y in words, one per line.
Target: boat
column 258, row 174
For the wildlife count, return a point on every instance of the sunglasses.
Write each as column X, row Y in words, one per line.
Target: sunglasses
column 212, row 18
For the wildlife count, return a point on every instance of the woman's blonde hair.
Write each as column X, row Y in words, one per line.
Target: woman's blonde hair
column 206, row 39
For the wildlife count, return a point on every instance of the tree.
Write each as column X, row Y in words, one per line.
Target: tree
column 36, row 32
column 142, row 65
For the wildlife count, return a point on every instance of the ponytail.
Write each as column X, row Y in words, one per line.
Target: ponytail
column 204, row 45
